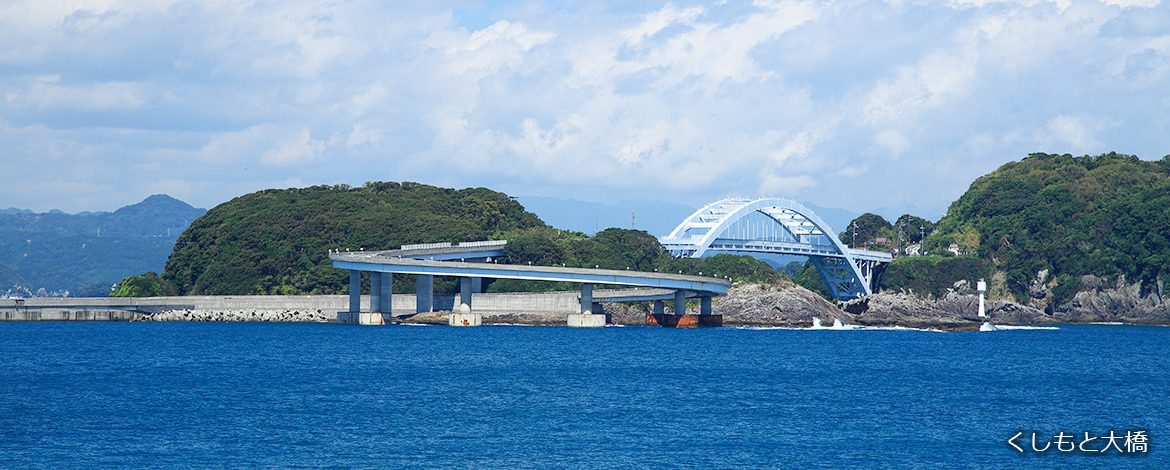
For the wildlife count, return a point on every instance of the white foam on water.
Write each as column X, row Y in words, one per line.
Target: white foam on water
column 899, row 328
column 1024, row 327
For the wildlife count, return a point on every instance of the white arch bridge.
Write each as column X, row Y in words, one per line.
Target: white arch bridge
column 769, row 227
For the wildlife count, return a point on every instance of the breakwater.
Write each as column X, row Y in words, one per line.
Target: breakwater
column 307, row 308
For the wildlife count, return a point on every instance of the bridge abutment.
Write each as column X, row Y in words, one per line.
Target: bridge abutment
column 590, row 316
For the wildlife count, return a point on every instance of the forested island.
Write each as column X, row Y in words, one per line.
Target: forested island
column 1057, row 237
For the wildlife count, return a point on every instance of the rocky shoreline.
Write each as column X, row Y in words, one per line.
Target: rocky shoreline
column 248, row 315
column 785, row 304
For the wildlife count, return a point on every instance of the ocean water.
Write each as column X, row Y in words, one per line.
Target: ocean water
column 283, row 395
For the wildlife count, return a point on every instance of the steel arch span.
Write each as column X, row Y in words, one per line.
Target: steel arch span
column 762, row 227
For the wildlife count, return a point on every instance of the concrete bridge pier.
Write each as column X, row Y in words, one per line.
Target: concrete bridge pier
column 587, row 318
column 380, row 288
column 424, row 298
column 465, row 290
column 680, row 302
column 355, row 299
column 680, row 318
column 386, row 291
column 463, row 316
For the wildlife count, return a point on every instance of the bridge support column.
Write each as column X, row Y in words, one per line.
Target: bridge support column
column 386, row 306
column 373, row 317
column 680, row 318
column 424, row 299
column 465, row 290
column 476, row 285
column 463, row 316
column 586, row 298
column 355, row 299
column 375, row 291
column 587, row 318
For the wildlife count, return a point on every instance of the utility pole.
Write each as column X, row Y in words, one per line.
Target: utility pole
column 854, row 245
column 898, row 249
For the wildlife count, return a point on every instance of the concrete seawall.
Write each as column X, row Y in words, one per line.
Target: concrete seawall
column 265, row 308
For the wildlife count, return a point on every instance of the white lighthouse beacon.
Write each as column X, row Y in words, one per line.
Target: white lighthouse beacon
column 982, row 288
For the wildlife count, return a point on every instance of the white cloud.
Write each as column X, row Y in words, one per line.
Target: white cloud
column 1134, row 3
column 1076, row 134
column 893, row 141
column 294, row 149
column 779, row 185
column 236, row 146
column 48, row 93
column 932, row 82
column 690, row 102
column 362, row 135
column 486, row 51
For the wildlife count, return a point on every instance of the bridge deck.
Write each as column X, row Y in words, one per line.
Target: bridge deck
column 379, row 262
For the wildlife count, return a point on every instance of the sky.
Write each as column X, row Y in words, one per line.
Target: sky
column 845, row 104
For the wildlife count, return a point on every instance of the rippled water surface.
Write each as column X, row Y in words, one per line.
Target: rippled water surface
column 232, row 395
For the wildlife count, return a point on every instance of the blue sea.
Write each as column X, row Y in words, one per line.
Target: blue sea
column 289, row 395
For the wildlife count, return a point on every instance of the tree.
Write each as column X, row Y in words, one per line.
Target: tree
column 144, row 285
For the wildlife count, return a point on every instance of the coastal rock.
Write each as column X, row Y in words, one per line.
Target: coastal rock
column 751, row 304
column 782, row 304
column 954, row 311
column 1123, row 303
column 240, row 316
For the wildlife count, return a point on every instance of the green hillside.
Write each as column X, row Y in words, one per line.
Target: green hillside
column 1107, row 215
column 277, row 241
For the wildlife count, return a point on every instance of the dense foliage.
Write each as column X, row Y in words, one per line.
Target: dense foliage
column 1107, row 215
column 866, row 228
column 914, row 228
column 932, row 275
column 144, row 285
column 277, row 241
column 810, row 279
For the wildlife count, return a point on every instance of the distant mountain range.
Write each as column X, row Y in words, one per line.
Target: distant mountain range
column 86, row 253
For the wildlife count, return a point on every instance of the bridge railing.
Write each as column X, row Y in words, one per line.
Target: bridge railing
column 483, row 243
column 425, row 246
